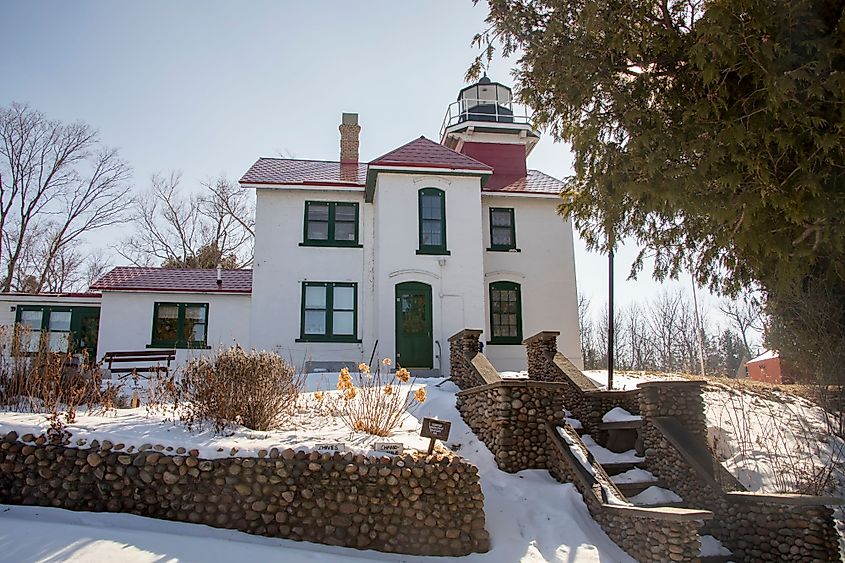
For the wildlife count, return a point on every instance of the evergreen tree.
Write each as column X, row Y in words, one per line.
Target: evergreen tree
column 711, row 132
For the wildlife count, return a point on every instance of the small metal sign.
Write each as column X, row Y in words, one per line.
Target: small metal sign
column 330, row 447
column 392, row 448
column 436, row 430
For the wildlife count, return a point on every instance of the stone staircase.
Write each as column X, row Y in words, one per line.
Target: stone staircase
column 621, row 456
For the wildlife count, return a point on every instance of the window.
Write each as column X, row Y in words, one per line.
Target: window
column 505, row 313
column 52, row 322
column 329, row 223
column 180, row 325
column 64, row 327
column 432, row 221
column 502, row 229
column 329, row 312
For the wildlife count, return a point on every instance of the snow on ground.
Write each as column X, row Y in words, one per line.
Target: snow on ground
column 710, row 546
column 309, row 426
column 655, row 496
column 531, row 517
column 626, row 380
column 514, row 374
column 769, row 440
column 618, row 414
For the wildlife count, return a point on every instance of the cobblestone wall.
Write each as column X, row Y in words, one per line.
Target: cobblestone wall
column 510, row 417
column 463, row 346
column 587, row 402
column 414, row 504
column 755, row 527
column 647, row 534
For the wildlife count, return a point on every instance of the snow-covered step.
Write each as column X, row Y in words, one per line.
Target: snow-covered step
column 612, row 462
column 656, row 496
column 634, row 481
column 712, row 551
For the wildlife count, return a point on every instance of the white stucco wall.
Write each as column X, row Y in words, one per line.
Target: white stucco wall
column 389, row 235
column 545, row 270
column 126, row 320
column 281, row 265
column 455, row 279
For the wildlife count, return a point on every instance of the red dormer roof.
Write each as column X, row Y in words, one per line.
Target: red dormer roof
column 174, row 280
column 288, row 171
column 534, row 183
column 425, row 153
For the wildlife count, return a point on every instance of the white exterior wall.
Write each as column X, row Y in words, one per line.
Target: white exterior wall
column 455, row 280
column 545, row 270
column 126, row 321
column 281, row 265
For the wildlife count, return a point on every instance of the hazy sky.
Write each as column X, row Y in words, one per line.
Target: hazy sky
column 207, row 87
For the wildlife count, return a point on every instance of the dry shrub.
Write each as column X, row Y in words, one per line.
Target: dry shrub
column 258, row 390
column 376, row 403
column 34, row 378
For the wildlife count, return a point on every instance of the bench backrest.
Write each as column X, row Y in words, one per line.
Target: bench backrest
column 153, row 357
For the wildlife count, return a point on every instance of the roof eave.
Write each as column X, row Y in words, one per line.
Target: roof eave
column 374, row 169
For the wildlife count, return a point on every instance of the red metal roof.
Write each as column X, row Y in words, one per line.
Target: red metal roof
column 534, row 183
column 175, row 280
column 56, row 295
column 287, row 171
column 425, row 153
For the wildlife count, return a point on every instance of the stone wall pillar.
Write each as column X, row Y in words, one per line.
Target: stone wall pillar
column 680, row 399
column 463, row 346
column 540, row 348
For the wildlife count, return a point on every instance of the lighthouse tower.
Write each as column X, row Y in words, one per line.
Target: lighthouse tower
column 486, row 125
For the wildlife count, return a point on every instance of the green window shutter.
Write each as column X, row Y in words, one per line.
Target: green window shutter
column 432, row 221
column 502, row 229
column 330, row 223
column 505, row 313
column 329, row 312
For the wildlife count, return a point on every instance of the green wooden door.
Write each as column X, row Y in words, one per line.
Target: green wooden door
column 413, row 325
column 85, row 326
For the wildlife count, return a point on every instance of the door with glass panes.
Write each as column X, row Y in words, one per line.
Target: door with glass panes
column 413, row 325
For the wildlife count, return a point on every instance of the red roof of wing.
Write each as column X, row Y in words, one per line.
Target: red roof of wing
column 175, row 280
column 287, row 171
column 534, row 183
column 425, row 153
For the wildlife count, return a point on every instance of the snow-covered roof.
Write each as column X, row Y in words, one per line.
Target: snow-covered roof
column 767, row 355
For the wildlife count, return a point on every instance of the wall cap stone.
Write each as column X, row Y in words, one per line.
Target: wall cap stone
column 466, row 332
column 670, row 513
column 542, row 335
column 485, row 369
column 672, row 383
column 784, row 498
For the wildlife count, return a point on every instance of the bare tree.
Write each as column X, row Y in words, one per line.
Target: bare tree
column 183, row 231
column 57, row 183
column 745, row 313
